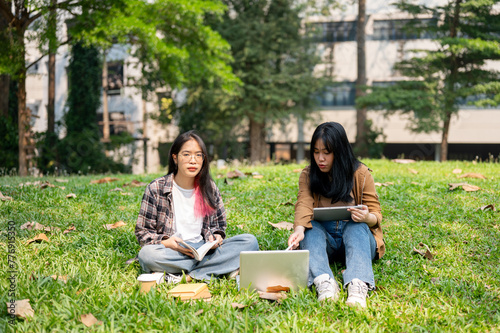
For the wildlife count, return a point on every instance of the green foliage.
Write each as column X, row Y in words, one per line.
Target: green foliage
column 456, row 292
column 375, row 141
column 466, row 38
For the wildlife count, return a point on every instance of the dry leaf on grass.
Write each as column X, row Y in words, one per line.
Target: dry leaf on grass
column 427, row 254
column 4, row 197
column 58, row 180
column 240, row 226
column 457, row 171
column 282, row 225
column 72, row 228
column 199, row 312
column 135, row 183
column 403, row 160
column 297, row 170
column 235, row 305
column 258, row 176
column 278, row 288
column 89, row 320
column 21, row 308
column 116, row 189
column 126, row 193
column 483, row 208
column 272, row 296
column 384, row 184
column 466, row 187
column 228, row 182
column 38, row 226
column 103, row 180
column 235, row 174
column 131, row 261
column 415, row 172
column 71, row 196
column 45, row 185
column 115, row 225
column 39, row 238
column 415, row 183
column 472, row 175
column 63, row 278
column 122, row 208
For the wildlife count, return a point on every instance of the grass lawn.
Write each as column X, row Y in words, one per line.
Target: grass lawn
column 458, row 291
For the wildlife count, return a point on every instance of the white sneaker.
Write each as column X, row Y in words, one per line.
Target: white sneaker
column 357, row 292
column 326, row 287
column 172, row 278
column 160, row 277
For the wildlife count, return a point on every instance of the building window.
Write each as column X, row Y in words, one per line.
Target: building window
column 115, row 77
column 401, row 29
column 331, row 32
column 340, row 94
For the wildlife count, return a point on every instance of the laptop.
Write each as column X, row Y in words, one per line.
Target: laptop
column 260, row 270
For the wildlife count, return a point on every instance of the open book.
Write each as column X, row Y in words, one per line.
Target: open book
column 201, row 251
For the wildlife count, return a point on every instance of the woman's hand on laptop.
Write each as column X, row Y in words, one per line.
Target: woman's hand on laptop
column 296, row 237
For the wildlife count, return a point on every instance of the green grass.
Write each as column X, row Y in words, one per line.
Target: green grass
column 459, row 291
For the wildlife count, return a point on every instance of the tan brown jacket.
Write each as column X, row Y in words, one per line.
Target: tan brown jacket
column 364, row 194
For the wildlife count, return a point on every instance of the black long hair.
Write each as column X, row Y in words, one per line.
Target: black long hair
column 203, row 179
column 338, row 182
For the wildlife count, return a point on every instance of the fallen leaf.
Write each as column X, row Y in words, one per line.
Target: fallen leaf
column 131, row 260
column 275, row 289
column 258, row 176
column 472, row 175
column 403, row 160
column 72, row 228
column 38, row 226
column 427, row 254
column 122, row 208
column 282, row 225
column 62, row 187
column 434, row 280
column 58, row 180
column 45, row 185
column 415, row 183
column 297, row 170
column 71, row 196
column 413, row 171
column 115, row 225
column 135, row 183
column 228, row 182
column 235, row 174
column 89, row 320
column 39, row 238
column 272, row 296
column 63, row 278
column 464, row 186
column 240, row 226
column 492, row 207
column 199, row 312
column 22, row 308
column 116, row 189
column 4, row 197
column 126, row 193
column 235, row 305
column 288, row 203
column 103, row 180
column 470, row 188
column 384, row 184
column 457, row 171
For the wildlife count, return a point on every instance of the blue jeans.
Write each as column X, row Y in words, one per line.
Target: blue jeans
column 346, row 242
column 223, row 260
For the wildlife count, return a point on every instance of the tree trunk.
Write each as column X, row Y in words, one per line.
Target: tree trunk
column 444, row 139
column 52, row 71
column 23, row 123
column 361, row 125
column 105, row 112
column 4, row 95
column 258, row 151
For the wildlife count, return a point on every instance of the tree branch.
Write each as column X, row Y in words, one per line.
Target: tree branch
column 6, row 11
column 67, row 41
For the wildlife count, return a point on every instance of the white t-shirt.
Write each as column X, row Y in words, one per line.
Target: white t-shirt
column 188, row 227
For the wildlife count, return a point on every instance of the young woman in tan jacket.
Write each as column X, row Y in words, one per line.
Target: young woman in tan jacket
column 336, row 178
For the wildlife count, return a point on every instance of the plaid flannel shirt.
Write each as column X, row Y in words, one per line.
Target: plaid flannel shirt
column 156, row 216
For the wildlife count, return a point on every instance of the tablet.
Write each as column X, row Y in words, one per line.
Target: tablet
column 323, row 214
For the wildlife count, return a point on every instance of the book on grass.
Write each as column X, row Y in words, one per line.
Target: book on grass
column 190, row 291
column 201, row 251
